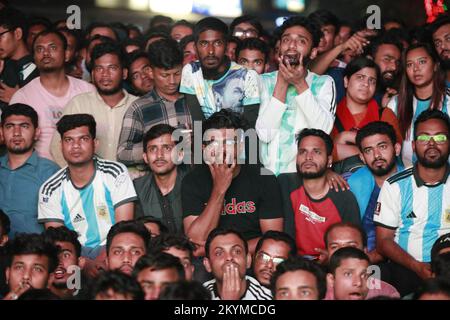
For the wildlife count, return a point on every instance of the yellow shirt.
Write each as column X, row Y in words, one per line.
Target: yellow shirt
column 108, row 119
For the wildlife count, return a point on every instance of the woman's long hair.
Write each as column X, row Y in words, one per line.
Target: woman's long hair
column 407, row 90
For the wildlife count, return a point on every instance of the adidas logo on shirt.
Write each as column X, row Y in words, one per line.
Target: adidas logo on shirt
column 78, row 218
column 411, row 215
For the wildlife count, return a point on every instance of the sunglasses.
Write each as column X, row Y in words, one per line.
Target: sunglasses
column 437, row 138
column 265, row 258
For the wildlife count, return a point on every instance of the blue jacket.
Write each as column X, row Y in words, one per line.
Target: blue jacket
column 362, row 183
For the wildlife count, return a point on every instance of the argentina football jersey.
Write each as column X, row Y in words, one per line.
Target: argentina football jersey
column 89, row 210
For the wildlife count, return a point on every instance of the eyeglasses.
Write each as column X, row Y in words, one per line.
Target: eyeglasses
column 437, row 138
column 245, row 33
column 265, row 258
column 6, row 31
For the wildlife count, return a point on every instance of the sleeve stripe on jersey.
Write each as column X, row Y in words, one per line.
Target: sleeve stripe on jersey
column 111, row 164
column 125, row 201
column 400, row 176
column 333, row 103
column 102, row 167
column 51, row 220
column 384, row 226
column 54, row 184
column 258, row 292
column 110, row 171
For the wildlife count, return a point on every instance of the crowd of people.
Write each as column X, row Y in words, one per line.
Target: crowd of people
column 201, row 161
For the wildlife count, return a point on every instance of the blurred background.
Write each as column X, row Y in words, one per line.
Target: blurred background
column 271, row 12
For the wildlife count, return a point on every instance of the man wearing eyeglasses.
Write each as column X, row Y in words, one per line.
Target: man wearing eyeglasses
column 18, row 68
column 273, row 248
column 413, row 208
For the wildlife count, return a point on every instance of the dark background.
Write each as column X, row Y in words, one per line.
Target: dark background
column 410, row 11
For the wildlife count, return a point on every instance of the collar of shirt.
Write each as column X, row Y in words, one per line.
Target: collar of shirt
column 32, row 160
column 124, row 102
column 420, row 182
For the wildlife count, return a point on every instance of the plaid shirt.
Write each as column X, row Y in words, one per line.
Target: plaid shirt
column 144, row 113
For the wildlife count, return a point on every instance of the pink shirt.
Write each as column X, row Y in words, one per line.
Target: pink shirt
column 48, row 107
column 385, row 289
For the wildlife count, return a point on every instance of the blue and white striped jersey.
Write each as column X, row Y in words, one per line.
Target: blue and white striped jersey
column 419, row 213
column 88, row 210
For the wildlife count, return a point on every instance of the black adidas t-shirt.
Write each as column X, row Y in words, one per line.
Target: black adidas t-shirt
column 250, row 197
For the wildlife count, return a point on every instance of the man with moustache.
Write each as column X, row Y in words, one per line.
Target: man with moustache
column 386, row 51
column 310, row 205
column 205, row 82
column 272, row 249
column 440, row 33
column 413, row 206
column 379, row 150
column 159, row 192
column 53, row 89
column 22, row 171
column 126, row 242
column 107, row 104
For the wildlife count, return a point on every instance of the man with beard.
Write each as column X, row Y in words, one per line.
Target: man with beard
column 440, row 33
column 413, row 206
column 107, row 104
column 294, row 98
column 65, row 279
column 160, row 191
column 90, row 194
column 316, row 206
column 126, row 242
column 379, row 150
column 386, row 52
column 273, row 248
column 22, row 171
column 204, row 82
column 53, row 89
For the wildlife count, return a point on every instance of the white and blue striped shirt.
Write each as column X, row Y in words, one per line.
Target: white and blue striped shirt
column 420, row 213
column 88, row 210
